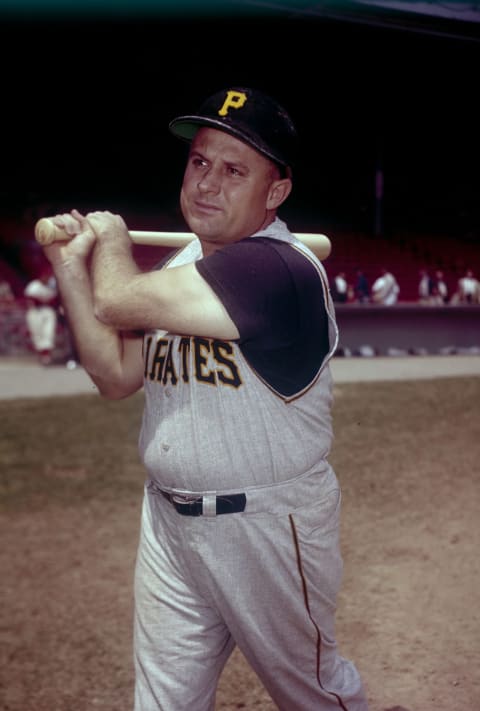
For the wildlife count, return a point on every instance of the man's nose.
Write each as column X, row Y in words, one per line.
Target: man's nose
column 210, row 181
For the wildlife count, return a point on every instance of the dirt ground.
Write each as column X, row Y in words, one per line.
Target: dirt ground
column 408, row 613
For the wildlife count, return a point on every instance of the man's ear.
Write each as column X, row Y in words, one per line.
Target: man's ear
column 278, row 193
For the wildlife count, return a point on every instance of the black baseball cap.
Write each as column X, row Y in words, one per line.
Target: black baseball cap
column 249, row 115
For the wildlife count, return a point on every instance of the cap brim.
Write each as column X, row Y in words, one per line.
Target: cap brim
column 186, row 127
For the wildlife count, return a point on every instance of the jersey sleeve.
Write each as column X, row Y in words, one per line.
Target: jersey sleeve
column 275, row 296
column 256, row 288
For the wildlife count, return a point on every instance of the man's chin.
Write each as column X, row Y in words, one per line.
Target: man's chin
column 204, row 229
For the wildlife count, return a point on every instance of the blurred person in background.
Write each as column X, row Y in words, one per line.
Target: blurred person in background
column 468, row 288
column 41, row 315
column 340, row 288
column 385, row 289
column 361, row 288
column 440, row 288
column 6, row 293
column 425, row 287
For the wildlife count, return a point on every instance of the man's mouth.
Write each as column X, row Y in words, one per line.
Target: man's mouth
column 206, row 208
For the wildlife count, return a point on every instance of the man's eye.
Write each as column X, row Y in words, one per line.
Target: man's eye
column 233, row 170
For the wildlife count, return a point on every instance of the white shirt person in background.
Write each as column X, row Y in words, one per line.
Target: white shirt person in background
column 385, row 289
column 340, row 288
column 468, row 288
column 41, row 315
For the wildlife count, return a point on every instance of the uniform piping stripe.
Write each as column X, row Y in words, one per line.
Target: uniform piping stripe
column 307, row 606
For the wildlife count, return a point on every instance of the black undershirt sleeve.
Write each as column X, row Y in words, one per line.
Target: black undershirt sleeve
column 274, row 295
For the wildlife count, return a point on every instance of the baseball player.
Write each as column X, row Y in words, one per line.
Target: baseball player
column 41, row 315
column 231, row 340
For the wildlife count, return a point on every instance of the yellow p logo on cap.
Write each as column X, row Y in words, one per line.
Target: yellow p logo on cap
column 233, row 100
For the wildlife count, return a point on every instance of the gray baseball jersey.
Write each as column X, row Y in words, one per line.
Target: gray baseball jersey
column 222, row 415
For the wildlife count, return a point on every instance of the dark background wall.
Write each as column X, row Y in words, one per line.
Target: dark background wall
column 86, row 101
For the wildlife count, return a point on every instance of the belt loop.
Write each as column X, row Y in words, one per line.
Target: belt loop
column 209, row 502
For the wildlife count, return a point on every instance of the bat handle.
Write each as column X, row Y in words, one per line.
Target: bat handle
column 46, row 232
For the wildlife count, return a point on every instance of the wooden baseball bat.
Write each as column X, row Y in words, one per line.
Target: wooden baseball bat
column 47, row 232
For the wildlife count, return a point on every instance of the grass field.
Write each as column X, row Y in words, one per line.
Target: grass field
column 408, row 458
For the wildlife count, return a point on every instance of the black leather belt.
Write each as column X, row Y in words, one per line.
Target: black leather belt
column 233, row 503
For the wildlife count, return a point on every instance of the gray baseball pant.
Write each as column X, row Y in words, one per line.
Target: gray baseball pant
column 265, row 579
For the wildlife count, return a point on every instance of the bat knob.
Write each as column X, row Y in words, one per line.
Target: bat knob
column 46, row 232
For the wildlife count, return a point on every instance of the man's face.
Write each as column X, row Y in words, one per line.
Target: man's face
column 226, row 191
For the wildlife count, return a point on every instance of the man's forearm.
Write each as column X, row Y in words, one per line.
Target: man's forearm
column 112, row 269
column 98, row 346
